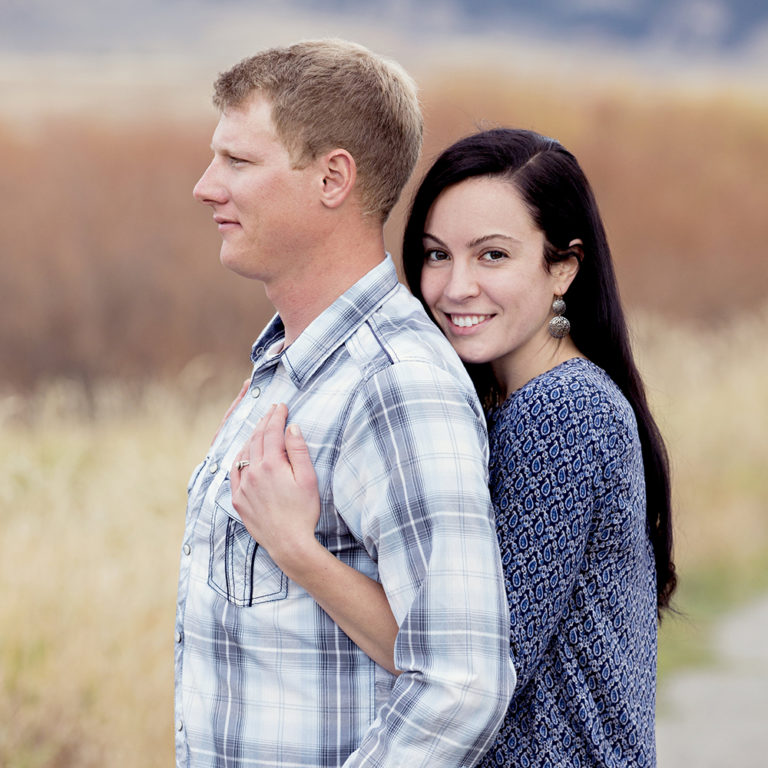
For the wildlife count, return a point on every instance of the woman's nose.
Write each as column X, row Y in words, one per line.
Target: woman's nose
column 462, row 283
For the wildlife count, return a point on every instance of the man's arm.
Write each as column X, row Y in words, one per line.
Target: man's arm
column 412, row 478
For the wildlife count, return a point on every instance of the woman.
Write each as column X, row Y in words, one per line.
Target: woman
column 503, row 243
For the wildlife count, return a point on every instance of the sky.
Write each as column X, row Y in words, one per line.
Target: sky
column 161, row 55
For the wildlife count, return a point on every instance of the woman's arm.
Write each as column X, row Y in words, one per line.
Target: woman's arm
column 277, row 498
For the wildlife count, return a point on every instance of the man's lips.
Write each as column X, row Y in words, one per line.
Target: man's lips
column 224, row 223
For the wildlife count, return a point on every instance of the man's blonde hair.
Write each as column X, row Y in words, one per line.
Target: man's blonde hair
column 328, row 94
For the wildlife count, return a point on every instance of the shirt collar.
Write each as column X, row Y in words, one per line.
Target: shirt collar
column 332, row 327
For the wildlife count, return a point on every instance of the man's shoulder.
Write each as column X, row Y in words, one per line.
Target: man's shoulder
column 400, row 333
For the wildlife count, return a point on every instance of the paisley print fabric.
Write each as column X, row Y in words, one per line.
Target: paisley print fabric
column 568, row 486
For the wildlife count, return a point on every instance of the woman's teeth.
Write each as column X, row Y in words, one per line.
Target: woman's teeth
column 466, row 321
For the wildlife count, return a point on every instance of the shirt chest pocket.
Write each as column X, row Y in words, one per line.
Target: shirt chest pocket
column 239, row 569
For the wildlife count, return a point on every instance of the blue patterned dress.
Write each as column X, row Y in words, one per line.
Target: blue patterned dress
column 568, row 486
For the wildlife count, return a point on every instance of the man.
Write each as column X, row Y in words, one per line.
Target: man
column 312, row 149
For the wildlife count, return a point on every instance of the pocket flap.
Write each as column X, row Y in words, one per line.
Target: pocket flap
column 224, row 500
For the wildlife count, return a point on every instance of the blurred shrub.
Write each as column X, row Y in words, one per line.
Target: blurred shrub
column 109, row 268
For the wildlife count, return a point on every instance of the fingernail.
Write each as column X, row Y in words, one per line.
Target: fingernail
column 294, row 430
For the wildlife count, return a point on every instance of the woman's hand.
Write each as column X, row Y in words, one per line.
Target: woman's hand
column 277, row 498
column 276, row 494
column 233, row 405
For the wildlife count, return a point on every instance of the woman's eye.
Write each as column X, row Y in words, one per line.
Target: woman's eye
column 494, row 256
column 434, row 255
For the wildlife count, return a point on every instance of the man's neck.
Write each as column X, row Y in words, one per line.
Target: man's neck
column 302, row 296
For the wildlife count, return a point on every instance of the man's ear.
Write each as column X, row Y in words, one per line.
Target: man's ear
column 339, row 176
column 564, row 271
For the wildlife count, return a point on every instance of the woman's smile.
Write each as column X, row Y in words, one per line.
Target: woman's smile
column 466, row 322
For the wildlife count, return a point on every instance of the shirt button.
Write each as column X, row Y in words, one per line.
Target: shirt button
column 187, row 549
column 255, row 392
column 179, row 725
column 178, row 637
column 214, row 468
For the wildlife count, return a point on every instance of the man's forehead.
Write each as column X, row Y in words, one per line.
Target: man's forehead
column 244, row 123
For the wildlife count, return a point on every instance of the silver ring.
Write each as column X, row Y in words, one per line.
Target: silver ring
column 242, row 464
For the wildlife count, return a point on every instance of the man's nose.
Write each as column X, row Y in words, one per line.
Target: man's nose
column 208, row 189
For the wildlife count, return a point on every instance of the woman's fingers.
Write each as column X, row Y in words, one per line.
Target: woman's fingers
column 249, row 454
column 255, row 448
column 298, row 455
column 273, row 448
column 276, row 495
column 240, row 396
column 274, row 434
column 233, row 405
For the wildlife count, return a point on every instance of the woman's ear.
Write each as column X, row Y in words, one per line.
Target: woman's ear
column 564, row 271
column 339, row 176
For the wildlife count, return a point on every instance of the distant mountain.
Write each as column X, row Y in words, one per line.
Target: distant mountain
column 722, row 24
column 721, row 27
column 696, row 24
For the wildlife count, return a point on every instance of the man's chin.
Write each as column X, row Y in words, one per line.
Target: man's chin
column 230, row 259
column 237, row 263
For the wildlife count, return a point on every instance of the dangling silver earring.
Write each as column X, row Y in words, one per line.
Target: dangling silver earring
column 559, row 325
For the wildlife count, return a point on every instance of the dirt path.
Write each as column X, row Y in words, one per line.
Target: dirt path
column 718, row 717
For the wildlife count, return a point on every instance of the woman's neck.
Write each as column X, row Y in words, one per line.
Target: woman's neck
column 514, row 371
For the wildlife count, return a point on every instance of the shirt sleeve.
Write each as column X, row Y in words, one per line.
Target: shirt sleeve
column 413, row 469
column 548, row 485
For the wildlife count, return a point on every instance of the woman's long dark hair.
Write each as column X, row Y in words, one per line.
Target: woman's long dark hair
column 561, row 203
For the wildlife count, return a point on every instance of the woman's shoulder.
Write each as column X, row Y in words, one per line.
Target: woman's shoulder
column 570, row 392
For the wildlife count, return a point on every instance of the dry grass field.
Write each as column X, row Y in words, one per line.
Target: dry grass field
column 110, row 286
column 92, row 515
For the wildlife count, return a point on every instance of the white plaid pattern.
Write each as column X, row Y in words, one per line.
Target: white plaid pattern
column 263, row 676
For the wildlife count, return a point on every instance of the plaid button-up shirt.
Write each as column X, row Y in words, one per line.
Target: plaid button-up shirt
column 397, row 437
